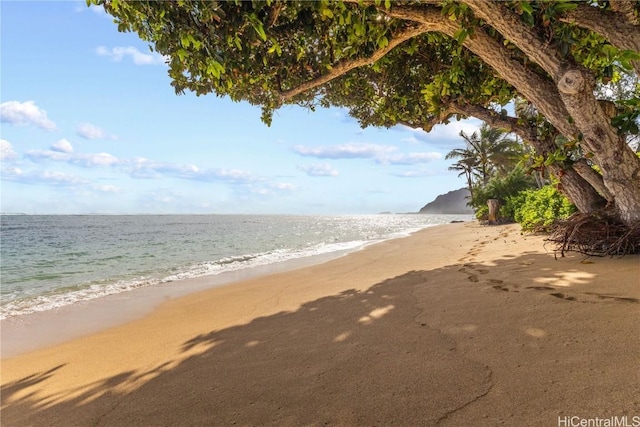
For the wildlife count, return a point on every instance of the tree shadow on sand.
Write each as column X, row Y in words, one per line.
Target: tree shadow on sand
column 355, row 358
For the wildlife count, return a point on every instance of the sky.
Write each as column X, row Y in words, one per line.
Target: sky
column 91, row 124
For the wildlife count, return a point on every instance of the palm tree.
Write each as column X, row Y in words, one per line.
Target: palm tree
column 493, row 152
column 466, row 167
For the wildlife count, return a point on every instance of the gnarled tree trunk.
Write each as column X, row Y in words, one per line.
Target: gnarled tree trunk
column 620, row 166
column 575, row 91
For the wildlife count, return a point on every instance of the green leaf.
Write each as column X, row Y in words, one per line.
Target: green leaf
column 526, row 7
column 257, row 27
column 562, row 7
column 184, row 40
column 461, row 35
column 215, row 69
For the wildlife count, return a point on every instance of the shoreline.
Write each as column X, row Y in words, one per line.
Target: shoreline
column 41, row 329
column 456, row 324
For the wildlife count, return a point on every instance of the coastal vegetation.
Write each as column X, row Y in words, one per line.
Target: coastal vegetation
column 506, row 177
column 502, row 169
column 420, row 63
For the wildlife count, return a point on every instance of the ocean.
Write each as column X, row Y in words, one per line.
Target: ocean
column 49, row 261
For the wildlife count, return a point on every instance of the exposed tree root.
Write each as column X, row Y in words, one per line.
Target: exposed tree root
column 596, row 234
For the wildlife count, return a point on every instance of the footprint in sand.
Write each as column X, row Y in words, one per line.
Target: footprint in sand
column 473, row 278
column 613, row 297
column 563, row 296
column 541, row 288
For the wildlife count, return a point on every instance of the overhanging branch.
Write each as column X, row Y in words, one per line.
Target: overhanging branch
column 613, row 26
column 348, row 65
column 510, row 25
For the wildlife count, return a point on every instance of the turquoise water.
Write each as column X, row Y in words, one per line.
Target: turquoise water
column 48, row 261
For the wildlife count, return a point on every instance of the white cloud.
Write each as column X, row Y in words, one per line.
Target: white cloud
column 410, row 159
column 441, row 134
column 268, row 190
column 352, row 150
column 107, row 188
column 79, row 159
column 89, row 131
column 414, row 174
column 383, row 154
column 43, row 177
column 62, row 146
column 94, row 159
column 6, row 150
column 98, row 10
column 232, row 175
column 118, row 53
column 283, row 186
column 25, row 113
column 411, row 140
column 452, row 130
column 140, row 167
column 36, row 155
column 319, row 169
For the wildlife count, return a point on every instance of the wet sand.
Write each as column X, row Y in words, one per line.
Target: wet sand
column 455, row 325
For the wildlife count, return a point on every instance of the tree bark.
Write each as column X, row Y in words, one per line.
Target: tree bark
column 593, row 178
column 625, row 7
column 619, row 164
column 494, row 207
column 578, row 190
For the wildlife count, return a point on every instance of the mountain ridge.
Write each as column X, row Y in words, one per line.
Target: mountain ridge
column 453, row 202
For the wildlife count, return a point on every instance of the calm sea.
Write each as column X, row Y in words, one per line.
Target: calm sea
column 49, row 261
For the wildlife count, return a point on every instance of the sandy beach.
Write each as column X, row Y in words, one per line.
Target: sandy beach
column 456, row 325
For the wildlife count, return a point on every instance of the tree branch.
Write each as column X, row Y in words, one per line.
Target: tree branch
column 348, row 65
column 429, row 124
column 510, row 25
column 625, row 7
column 613, row 26
column 593, row 178
column 497, row 120
column 532, row 86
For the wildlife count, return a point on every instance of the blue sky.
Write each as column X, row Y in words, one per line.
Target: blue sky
column 90, row 124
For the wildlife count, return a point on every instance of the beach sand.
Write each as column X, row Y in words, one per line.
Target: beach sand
column 456, row 325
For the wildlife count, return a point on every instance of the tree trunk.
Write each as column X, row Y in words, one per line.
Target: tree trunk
column 593, row 178
column 494, row 207
column 470, row 184
column 575, row 86
column 619, row 164
column 578, row 190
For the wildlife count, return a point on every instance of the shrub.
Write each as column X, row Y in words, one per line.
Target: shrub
column 536, row 210
column 501, row 188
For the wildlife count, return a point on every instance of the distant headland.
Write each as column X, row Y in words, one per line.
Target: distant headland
column 453, row 203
